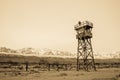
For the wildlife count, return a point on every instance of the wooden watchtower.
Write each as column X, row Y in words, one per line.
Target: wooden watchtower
column 85, row 57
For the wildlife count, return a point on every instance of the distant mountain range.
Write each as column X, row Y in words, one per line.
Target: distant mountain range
column 37, row 52
column 114, row 55
column 53, row 53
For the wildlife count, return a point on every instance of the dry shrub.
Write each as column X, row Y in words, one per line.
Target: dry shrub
column 5, row 73
column 79, row 74
column 116, row 70
column 34, row 71
column 63, row 74
column 14, row 73
column 105, row 78
column 118, row 75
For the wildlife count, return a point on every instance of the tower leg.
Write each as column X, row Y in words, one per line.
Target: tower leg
column 85, row 56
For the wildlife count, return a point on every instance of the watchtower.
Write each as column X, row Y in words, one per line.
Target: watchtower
column 85, row 58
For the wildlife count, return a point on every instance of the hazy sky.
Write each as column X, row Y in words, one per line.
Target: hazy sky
column 50, row 23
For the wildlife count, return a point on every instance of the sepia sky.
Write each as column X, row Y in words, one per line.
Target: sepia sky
column 50, row 23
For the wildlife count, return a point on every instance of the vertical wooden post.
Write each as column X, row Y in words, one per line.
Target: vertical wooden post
column 48, row 67
column 27, row 66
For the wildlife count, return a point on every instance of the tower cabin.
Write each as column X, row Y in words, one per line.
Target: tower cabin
column 83, row 30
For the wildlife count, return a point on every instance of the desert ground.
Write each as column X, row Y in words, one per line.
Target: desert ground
column 14, row 68
column 100, row 74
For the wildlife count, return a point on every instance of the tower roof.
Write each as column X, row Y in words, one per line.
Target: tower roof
column 84, row 24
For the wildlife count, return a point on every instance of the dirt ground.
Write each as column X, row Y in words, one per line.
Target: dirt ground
column 100, row 74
